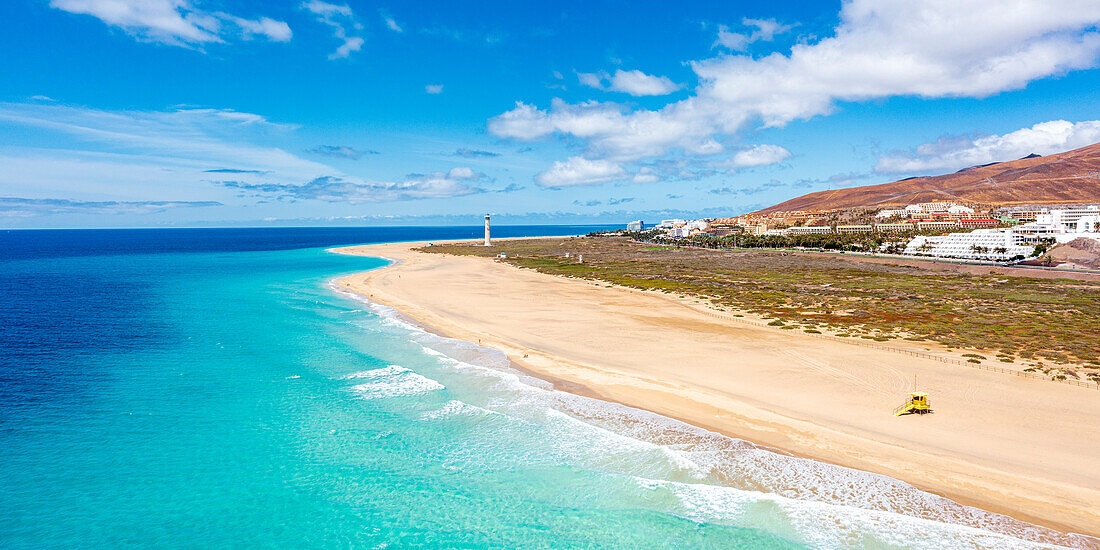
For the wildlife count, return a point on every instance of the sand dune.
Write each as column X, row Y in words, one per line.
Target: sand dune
column 1026, row 448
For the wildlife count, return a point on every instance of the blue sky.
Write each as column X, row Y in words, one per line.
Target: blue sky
column 124, row 113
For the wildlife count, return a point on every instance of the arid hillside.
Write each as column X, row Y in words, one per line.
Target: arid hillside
column 1070, row 177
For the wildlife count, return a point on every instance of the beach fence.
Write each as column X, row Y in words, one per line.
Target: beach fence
column 947, row 360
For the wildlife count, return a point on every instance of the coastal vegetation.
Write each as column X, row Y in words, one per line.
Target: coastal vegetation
column 890, row 243
column 1042, row 325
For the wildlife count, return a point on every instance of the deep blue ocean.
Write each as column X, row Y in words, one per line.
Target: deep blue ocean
column 209, row 388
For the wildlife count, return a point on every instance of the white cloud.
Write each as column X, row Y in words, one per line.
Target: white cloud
column 593, row 80
column 645, row 175
column 325, row 9
column 15, row 207
column 139, row 155
column 611, row 131
column 277, row 31
column 953, row 153
column 759, row 155
column 174, row 22
column 766, row 29
column 218, row 135
column 350, row 190
column 635, row 83
column 525, row 122
column 732, row 40
column 343, row 23
column 881, row 48
column 351, row 44
column 157, row 157
column 391, row 23
column 580, row 171
column 462, row 173
column 434, row 88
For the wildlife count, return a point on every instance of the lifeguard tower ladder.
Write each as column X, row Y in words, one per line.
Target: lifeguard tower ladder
column 917, row 404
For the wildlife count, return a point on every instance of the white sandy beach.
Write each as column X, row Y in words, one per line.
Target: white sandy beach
column 1023, row 447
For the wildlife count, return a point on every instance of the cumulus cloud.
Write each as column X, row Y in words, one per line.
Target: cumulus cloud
column 580, row 171
column 15, row 207
column 952, row 153
column 463, row 173
column 175, row 22
column 343, row 23
column 434, row 88
column 593, row 80
column 635, row 83
column 766, row 29
column 612, row 131
column 759, row 155
column 879, row 49
column 525, row 122
column 887, row 48
column 435, row 185
column 342, row 151
column 645, row 174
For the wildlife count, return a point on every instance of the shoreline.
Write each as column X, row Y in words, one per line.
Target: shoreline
column 964, row 479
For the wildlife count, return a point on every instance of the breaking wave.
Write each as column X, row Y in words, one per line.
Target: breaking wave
column 702, row 475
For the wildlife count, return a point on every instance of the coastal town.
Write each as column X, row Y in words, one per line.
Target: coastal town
column 942, row 229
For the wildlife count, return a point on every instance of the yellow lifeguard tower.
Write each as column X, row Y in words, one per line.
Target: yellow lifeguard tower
column 917, row 404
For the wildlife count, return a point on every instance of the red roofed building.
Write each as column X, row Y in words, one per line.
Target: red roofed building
column 973, row 223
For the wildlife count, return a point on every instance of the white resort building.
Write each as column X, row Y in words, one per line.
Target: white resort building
column 810, row 230
column 892, row 213
column 1061, row 225
column 687, row 229
column 980, row 244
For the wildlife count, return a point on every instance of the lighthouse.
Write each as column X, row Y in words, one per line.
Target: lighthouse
column 487, row 241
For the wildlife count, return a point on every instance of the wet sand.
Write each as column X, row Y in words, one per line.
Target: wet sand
column 1022, row 447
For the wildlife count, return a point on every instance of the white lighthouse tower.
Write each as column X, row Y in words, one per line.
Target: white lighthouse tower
column 487, row 241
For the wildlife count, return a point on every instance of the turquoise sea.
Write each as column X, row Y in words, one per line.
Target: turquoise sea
column 212, row 388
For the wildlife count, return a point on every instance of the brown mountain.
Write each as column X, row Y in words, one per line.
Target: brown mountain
column 1070, row 177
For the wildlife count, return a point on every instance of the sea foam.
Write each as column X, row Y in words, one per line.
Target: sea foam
column 392, row 381
column 720, row 479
